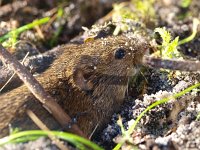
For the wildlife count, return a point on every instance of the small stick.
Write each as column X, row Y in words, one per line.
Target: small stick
column 171, row 64
column 43, row 127
column 38, row 91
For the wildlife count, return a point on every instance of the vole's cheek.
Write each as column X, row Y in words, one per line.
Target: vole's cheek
column 136, row 70
column 131, row 71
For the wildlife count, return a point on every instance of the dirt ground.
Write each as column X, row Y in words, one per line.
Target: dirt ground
column 172, row 125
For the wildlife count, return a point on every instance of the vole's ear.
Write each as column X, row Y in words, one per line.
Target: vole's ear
column 81, row 79
column 83, row 71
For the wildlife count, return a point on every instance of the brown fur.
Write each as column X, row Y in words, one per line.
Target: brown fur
column 86, row 79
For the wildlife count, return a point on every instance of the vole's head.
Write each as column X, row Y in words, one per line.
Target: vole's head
column 121, row 55
column 111, row 59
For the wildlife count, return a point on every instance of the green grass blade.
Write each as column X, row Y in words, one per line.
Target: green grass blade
column 196, row 22
column 24, row 28
column 72, row 138
column 132, row 128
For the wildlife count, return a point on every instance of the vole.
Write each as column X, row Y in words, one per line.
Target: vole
column 89, row 81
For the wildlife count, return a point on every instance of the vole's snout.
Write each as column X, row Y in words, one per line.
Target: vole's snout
column 141, row 46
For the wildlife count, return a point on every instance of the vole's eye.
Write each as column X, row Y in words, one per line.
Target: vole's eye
column 120, row 53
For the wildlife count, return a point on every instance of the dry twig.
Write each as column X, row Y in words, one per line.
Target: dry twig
column 171, row 64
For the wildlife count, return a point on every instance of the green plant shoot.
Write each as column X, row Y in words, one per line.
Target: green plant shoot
column 185, row 3
column 59, row 29
column 169, row 46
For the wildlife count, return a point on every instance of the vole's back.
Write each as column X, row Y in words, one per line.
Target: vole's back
column 13, row 105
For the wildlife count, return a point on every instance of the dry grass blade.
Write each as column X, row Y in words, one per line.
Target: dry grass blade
column 13, row 74
column 42, row 126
